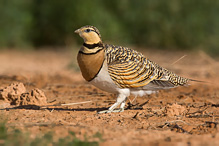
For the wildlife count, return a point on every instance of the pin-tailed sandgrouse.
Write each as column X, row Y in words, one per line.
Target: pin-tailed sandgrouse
column 121, row 70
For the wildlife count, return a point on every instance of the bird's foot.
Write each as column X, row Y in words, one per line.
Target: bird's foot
column 111, row 111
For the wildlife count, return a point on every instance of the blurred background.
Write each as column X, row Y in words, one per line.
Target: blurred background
column 164, row 24
column 38, row 52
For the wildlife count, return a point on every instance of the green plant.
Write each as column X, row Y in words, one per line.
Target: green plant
column 17, row 137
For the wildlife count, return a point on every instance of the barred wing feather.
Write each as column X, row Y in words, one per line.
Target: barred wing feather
column 130, row 69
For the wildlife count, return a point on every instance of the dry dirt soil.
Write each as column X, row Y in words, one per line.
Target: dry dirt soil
column 36, row 86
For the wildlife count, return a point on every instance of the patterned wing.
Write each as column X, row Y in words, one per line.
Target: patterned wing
column 130, row 69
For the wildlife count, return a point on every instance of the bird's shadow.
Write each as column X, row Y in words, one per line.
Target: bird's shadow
column 35, row 107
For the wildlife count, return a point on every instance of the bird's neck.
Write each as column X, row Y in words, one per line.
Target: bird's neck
column 91, row 48
column 92, row 39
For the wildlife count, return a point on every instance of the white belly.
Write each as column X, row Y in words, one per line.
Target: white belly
column 141, row 92
column 104, row 82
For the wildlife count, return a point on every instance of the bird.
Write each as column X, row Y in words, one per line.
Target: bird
column 121, row 70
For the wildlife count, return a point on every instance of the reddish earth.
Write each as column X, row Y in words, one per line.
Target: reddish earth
column 34, row 86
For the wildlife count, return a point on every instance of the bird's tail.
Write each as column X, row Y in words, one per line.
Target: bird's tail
column 198, row 81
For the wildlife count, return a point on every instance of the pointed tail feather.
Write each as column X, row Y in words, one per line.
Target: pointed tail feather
column 198, row 81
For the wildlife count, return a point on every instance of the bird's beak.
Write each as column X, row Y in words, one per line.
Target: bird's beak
column 77, row 31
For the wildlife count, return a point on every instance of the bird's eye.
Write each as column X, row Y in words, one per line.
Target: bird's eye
column 87, row 30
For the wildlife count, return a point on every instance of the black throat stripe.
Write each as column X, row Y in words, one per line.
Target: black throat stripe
column 90, row 53
column 92, row 46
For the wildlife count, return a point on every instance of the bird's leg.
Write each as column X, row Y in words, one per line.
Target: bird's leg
column 120, row 100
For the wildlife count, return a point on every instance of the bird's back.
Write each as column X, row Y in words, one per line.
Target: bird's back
column 130, row 69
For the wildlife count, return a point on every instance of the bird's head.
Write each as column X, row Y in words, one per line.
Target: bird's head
column 90, row 34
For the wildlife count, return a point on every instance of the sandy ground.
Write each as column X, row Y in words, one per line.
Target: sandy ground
column 34, row 84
